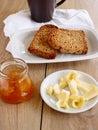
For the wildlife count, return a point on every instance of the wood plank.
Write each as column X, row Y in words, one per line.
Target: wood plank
column 27, row 115
column 83, row 121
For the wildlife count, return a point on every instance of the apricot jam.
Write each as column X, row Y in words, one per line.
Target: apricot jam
column 15, row 83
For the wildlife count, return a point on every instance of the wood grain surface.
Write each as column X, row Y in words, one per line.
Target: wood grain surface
column 35, row 114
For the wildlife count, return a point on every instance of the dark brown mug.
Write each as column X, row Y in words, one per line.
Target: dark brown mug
column 42, row 10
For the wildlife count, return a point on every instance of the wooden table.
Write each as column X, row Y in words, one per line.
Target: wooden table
column 35, row 114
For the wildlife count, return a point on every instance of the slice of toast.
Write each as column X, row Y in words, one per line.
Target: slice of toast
column 68, row 41
column 39, row 45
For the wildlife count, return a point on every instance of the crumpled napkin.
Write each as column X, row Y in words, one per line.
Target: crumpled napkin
column 61, row 17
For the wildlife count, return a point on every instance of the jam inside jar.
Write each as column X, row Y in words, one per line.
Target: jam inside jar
column 15, row 83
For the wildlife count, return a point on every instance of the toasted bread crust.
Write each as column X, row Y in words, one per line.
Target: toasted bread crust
column 49, row 39
column 68, row 41
column 39, row 45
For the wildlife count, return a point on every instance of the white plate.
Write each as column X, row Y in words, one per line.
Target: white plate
column 21, row 40
column 53, row 79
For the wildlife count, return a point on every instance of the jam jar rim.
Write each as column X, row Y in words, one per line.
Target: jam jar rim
column 13, row 60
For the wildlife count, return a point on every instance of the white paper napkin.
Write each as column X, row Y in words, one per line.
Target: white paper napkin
column 61, row 17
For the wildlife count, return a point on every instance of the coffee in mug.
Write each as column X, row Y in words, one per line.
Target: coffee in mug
column 42, row 10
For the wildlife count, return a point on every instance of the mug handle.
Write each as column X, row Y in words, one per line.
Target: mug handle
column 59, row 3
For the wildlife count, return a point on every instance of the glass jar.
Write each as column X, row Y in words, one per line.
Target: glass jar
column 15, row 83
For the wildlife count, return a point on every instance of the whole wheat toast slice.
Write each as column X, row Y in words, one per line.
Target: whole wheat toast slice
column 39, row 45
column 68, row 41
